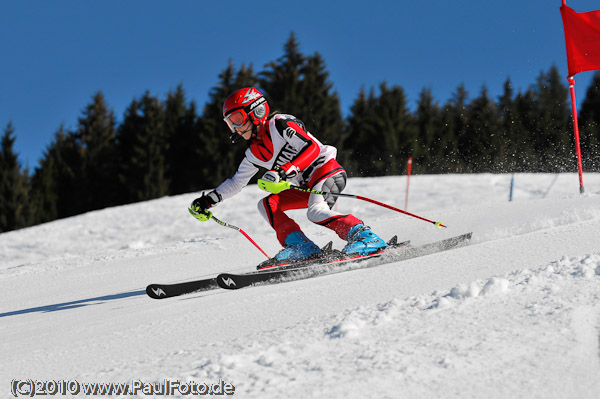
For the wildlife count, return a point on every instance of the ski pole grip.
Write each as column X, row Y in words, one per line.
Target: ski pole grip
column 202, row 216
column 272, row 187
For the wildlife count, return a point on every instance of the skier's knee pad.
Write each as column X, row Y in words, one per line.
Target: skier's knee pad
column 334, row 184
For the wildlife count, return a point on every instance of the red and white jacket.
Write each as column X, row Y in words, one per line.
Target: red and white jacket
column 284, row 142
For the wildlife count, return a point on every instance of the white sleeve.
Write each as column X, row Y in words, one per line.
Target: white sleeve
column 231, row 187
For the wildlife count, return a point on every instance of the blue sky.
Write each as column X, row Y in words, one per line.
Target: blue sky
column 56, row 54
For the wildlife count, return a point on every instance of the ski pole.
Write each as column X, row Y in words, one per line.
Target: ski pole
column 438, row 224
column 209, row 215
column 284, row 185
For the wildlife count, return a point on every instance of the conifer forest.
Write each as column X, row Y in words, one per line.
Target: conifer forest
column 168, row 146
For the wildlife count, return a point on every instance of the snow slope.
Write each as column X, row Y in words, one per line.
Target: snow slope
column 515, row 314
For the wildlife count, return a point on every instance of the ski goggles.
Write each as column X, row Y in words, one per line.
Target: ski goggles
column 236, row 119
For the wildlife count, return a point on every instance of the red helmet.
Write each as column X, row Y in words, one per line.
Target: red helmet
column 243, row 105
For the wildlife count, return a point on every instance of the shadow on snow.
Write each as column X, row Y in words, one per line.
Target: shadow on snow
column 74, row 304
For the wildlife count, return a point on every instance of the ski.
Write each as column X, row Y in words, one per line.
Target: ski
column 333, row 261
column 162, row 291
column 297, row 272
column 328, row 255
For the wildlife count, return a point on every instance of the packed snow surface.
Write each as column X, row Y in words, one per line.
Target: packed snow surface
column 516, row 314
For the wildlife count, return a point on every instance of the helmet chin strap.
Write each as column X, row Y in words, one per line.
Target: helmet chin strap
column 236, row 138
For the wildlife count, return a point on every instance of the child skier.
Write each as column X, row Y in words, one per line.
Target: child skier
column 281, row 144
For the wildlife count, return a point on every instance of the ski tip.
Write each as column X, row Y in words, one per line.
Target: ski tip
column 463, row 238
column 155, row 291
column 227, row 281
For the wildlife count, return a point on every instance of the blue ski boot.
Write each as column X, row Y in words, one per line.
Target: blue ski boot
column 362, row 241
column 297, row 247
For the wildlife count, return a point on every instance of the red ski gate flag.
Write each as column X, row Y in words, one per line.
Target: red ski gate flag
column 582, row 36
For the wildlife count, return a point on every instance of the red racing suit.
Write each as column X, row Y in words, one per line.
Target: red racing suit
column 284, row 142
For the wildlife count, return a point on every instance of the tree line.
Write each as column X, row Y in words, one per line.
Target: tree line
column 167, row 147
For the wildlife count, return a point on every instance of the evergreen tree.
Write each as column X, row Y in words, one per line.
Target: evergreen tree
column 526, row 126
column 551, row 140
column 509, row 151
column 282, row 80
column 589, row 126
column 14, row 207
column 299, row 85
column 142, row 148
column 359, row 122
column 321, row 110
column 96, row 130
column 481, row 150
column 366, row 138
column 394, row 121
column 382, row 132
column 430, row 143
column 184, row 143
column 220, row 158
column 454, row 130
column 44, row 189
column 57, row 183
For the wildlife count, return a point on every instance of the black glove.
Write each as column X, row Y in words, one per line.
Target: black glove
column 202, row 204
